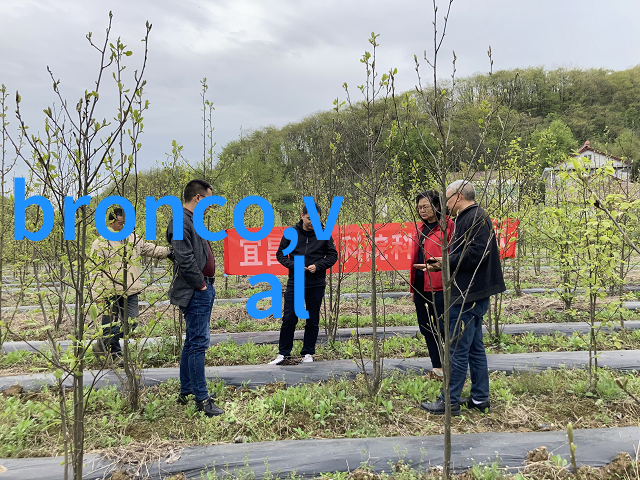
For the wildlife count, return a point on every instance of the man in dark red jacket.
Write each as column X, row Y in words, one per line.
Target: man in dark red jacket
column 319, row 255
column 193, row 291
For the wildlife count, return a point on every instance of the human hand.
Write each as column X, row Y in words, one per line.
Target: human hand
column 311, row 268
column 434, row 264
column 412, row 294
column 419, row 266
column 203, row 288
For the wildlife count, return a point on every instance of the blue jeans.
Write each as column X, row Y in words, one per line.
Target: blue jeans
column 467, row 349
column 197, row 316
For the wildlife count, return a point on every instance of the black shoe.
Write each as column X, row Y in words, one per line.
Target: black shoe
column 437, row 408
column 484, row 407
column 183, row 399
column 209, row 408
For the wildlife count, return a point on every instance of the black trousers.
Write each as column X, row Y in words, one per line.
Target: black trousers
column 429, row 310
column 111, row 321
column 313, row 300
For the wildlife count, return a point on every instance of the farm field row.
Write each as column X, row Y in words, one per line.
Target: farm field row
column 401, row 457
column 405, row 343
column 345, row 334
column 25, row 299
column 161, row 320
column 339, row 408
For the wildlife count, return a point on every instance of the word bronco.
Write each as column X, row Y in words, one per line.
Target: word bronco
column 151, row 207
column 255, row 236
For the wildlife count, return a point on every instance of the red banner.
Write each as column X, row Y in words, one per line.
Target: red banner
column 242, row 257
column 393, row 248
column 506, row 235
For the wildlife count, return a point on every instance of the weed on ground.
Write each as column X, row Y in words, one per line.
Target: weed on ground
column 29, row 423
column 166, row 352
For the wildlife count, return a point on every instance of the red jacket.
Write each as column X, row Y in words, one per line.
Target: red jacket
column 432, row 248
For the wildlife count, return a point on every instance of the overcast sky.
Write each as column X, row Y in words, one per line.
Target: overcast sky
column 271, row 62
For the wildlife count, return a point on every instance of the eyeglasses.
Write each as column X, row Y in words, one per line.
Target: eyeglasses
column 424, row 207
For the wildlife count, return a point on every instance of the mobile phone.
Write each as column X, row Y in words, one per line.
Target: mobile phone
column 431, row 261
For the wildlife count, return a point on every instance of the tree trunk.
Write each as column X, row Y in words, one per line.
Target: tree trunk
column 78, row 347
column 517, row 266
column 593, row 360
column 374, row 298
column 446, row 353
column 497, row 313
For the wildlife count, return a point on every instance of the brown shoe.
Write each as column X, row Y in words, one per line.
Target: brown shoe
column 99, row 348
column 433, row 375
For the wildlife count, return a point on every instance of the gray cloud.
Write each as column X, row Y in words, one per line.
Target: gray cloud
column 278, row 61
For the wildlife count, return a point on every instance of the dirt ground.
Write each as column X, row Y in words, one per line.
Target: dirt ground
column 532, row 308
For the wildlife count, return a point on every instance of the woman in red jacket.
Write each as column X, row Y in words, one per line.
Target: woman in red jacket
column 426, row 287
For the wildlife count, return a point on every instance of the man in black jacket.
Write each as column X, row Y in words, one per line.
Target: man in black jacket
column 474, row 261
column 192, row 290
column 319, row 255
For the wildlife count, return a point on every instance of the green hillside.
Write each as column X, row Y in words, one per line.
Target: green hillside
column 553, row 111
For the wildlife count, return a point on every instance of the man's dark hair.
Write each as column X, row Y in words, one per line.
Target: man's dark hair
column 196, row 187
column 115, row 213
column 434, row 199
column 305, row 211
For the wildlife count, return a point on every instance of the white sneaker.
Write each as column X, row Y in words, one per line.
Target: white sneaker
column 307, row 358
column 279, row 359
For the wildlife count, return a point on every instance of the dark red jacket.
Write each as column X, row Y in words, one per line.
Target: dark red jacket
column 432, row 248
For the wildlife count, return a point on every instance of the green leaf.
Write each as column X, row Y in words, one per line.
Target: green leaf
column 576, row 164
column 93, row 311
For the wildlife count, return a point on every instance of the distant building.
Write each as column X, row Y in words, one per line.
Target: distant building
column 619, row 183
column 622, row 168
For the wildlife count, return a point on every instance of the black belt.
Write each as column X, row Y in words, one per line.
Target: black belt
column 210, row 280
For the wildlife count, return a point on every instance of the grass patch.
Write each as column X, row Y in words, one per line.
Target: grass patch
column 335, row 409
column 167, row 354
column 233, row 318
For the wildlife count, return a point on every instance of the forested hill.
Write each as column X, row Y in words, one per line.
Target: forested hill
column 564, row 107
column 596, row 104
